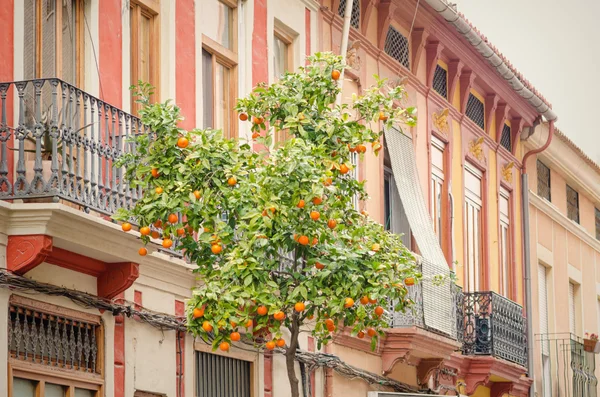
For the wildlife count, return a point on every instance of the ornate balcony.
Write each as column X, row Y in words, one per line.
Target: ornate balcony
column 64, row 141
column 494, row 326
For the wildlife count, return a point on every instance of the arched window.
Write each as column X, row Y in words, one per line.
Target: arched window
column 396, row 46
column 355, row 19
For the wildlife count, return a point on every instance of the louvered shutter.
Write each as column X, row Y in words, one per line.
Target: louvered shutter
column 572, row 308
column 543, row 299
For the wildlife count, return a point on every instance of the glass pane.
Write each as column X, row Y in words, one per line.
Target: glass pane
column 222, row 99
column 84, row 393
column 280, row 57
column 24, row 387
column 144, row 41
column 207, row 89
column 216, row 21
column 69, row 45
column 52, row 390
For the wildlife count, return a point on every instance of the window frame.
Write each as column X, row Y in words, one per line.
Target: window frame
column 408, row 45
column 438, row 180
column 359, row 10
column 444, row 67
column 473, row 270
column 506, row 245
column 280, row 32
column 79, row 41
column 149, row 9
column 597, row 222
column 480, row 98
column 549, row 180
column 228, row 58
column 570, row 205
column 43, row 373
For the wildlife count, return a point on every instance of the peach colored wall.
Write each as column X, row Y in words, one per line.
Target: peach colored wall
column 587, row 214
column 558, row 191
column 544, row 230
column 574, row 251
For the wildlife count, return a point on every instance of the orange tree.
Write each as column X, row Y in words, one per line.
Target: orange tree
column 274, row 234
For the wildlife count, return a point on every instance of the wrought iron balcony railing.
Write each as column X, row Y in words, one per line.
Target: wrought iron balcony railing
column 415, row 316
column 64, row 141
column 494, row 325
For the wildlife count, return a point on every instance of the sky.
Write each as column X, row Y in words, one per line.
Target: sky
column 555, row 44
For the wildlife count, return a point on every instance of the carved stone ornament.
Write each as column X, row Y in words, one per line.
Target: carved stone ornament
column 440, row 121
column 507, row 174
column 476, row 149
column 352, row 59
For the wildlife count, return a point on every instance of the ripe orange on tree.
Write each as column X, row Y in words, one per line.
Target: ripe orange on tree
column 158, row 190
column 243, row 116
column 224, row 346
column 352, row 148
column 173, row 218
column 145, row 231
column 344, row 169
column 232, row 181
column 262, row 310
column 361, row 148
column 375, row 247
column 198, row 312
column 154, row 234
column 233, row 324
column 360, row 335
column 372, row 301
column 409, row 281
column 143, row 251
column 257, row 120
column 314, row 215
column 158, row 223
column 317, row 200
column 155, row 172
column 216, row 248
column 207, row 326
column 270, row 345
column 332, row 223
column 335, row 74
column 319, row 266
column 371, row 332
column 248, row 324
column 182, row 142
column 328, row 182
column 314, row 241
column 382, row 116
column 197, row 194
column 378, row 311
column 299, row 307
column 180, row 232
column 280, row 342
column 300, row 204
column 364, row 300
column 279, row 316
column 348, row 302
column 255, row 135
column 167, row 243
column 303, row 240
column 234, row 336
column 126, row 226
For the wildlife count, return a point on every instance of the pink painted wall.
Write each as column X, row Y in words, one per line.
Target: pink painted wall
column 110, row 50
column 185, row 61
column 7, row 50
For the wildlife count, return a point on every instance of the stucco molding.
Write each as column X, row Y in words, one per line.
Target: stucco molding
column 554, row 214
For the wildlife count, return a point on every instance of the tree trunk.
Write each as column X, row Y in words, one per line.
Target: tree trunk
column 290, row 357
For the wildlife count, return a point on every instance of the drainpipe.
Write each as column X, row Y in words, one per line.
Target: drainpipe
column 344, row 45
column 527, row 252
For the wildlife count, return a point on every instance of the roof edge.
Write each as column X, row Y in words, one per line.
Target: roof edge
column 494, row 58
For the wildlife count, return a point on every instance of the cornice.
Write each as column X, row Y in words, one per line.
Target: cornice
column 553, row 212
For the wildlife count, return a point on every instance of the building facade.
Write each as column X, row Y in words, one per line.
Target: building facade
column 66, row 106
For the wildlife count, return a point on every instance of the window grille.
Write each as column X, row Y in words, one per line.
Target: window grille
column 475, row 111
column 219, row 376
column 572, row 204
column 355, row 18
column 597, row 226
column 52, row 340
column 396, row 46
column 543, row 180
column 440, row 81
column 505, row 140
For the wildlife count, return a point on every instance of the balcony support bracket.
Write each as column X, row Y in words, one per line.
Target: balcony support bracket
column 24, row 253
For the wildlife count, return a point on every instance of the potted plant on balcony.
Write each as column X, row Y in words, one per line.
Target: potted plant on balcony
column 590, row 343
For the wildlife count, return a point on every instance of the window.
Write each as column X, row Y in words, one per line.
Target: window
column 396, row 46
column 354, row 175
column 58, row 338
column 53, row 42
column 218, row 22
column 572, row 204
column 476, row 111
column 440, row 81
column 506, row 139
column 219, row 65
column 572, row 314
column 543, row 181
column 144, row 42
column 282, row 62
column 505, row 243
column 597, row 216
column 437, row 185
column 355, row 18
column 474, row 238
column 220, row 376
column 544, row 330
column 395, row 217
